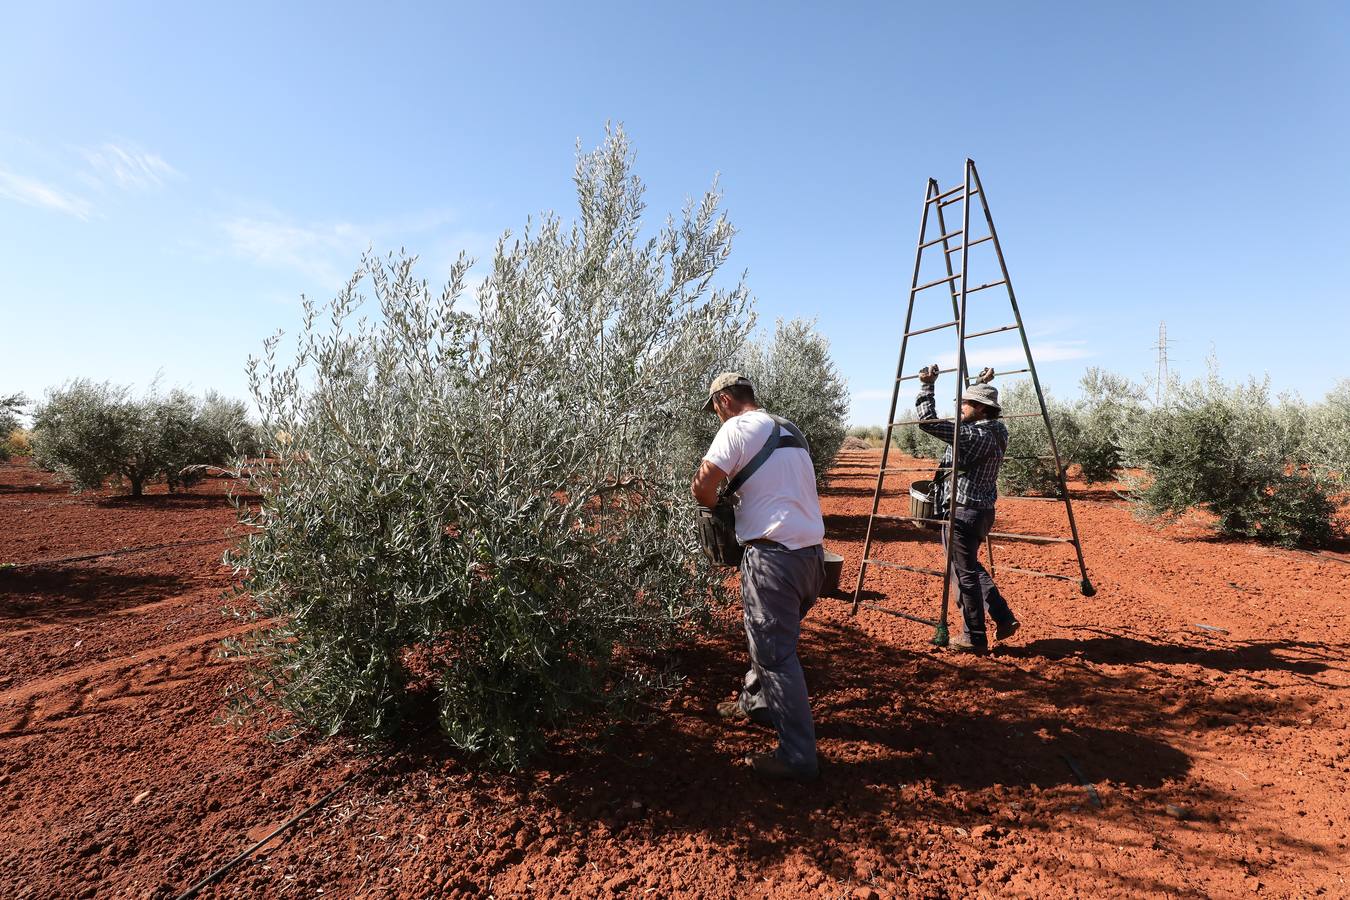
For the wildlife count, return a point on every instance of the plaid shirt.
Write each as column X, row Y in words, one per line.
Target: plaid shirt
column 983, row 444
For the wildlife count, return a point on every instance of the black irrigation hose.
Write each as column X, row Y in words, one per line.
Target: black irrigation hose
column 123, row 552
column 247, row 852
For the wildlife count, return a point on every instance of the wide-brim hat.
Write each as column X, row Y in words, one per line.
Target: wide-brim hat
column 721, row 383
column 985, row 394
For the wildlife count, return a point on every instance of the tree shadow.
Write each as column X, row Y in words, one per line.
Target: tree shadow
column 41, row 595
column 854, row 528
column 1251, row 656
column 185, row 500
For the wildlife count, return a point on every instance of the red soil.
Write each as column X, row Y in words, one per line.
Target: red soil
column 942, row 775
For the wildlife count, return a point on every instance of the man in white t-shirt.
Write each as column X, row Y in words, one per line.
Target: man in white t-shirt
column 779, row 523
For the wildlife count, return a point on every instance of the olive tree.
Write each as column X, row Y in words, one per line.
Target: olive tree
column 795, row 377
column 485, row 506
column 1109, row 406
column 92, row 432
column 1227, row 449
column 9, row 421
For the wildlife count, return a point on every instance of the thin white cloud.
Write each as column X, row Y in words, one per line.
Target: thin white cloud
column 32, row 192
column 328, row 252
column 128, row 168
column 311, row 251
column 1013, row 354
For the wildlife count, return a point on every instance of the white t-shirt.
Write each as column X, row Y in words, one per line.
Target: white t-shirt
column 779, row 501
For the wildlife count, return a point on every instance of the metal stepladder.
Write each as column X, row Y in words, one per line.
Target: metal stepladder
column 934, row 202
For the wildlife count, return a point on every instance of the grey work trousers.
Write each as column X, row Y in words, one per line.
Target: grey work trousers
column 975, row 588
column 778, row 587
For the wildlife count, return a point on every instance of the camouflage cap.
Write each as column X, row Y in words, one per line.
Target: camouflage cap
column 722, row 382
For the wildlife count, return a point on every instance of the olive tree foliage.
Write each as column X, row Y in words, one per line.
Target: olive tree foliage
column 1326, row 434
column 485, row 507
column 1029, row 467
column 1226, row 448
column 796, row 378
column 1109, row 406
column 10, row 405
column 93, row 432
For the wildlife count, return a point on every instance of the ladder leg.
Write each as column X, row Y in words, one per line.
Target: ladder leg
column 941, row 635
column 895, row 398
column 1085, row 586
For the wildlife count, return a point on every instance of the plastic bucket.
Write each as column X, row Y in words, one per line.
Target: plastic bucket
column 834, row 567
column 921, row 501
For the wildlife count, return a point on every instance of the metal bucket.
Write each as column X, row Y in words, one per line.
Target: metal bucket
column 921, row 501
column 834, row 567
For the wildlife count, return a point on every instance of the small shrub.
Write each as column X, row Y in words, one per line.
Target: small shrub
column 1227, row 449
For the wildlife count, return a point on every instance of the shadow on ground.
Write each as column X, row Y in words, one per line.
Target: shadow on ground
column 39, row 595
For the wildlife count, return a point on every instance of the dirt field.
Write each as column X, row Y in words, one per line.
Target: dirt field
column 1112, row 748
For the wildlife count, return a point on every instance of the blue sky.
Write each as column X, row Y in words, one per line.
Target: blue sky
column 172, row 178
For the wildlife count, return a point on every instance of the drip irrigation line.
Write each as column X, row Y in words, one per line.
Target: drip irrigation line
column 249, row 851
column 123, row 552
column 1091, row 788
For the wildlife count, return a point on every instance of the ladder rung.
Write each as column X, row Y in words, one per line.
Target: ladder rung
column 950, row 419
column 939, row 240
column 879, row 608
column 926, row 421
column 958, row 199
column 1029, row 457
column 1029, row 538
column 891, row 565
column 933, row 328
column 891, row 470
column 991, row 331
column 1035, row 572
column 911, row 519
column 1029, row 497
column 970, row 381
column 988, row 285
column 912, row 377
column 987, row 237
column 946, row 193
column 924, row 287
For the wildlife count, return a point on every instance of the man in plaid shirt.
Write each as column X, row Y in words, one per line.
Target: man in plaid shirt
column 984, row 440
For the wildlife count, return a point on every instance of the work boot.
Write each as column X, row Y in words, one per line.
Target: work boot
column 731, row 711
column 768, row 765
column 963, row 644
column 1006, row 630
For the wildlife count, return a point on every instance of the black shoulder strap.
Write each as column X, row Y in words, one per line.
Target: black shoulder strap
column 793, row 438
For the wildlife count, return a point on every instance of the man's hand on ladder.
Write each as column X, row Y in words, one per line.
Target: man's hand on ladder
column 986, row 375
column 929, row 374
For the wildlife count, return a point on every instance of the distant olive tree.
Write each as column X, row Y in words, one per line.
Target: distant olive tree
column 796, row 378
column 91, row 432
column 1029, row 467
column 10, row 405
column 485, row 506
column 1228, row 449
column 1325, row 437
column 1109, row 406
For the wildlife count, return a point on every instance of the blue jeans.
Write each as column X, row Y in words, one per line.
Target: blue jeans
column 778, row 587
column 976, row 589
